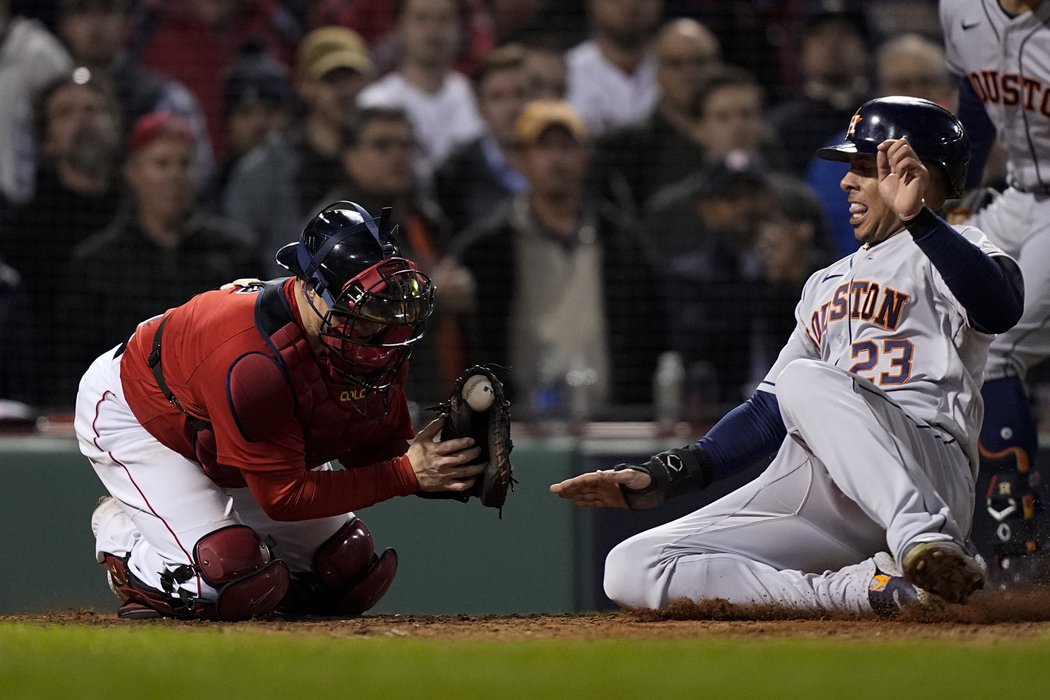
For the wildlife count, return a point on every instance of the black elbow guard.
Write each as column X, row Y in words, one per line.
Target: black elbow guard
column 673, row 473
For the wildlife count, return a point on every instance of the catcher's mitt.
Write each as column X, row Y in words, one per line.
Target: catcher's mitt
column 490, row 428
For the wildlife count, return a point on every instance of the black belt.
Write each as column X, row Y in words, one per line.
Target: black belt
column 158, row 374
column 1030, row 189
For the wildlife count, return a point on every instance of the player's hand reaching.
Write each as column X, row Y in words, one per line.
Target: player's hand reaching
column 601, row 489
column 440, row 465
column 903, row 179
column 640, row 486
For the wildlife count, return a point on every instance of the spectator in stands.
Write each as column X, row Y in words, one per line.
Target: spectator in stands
column 612, row 75
column 379, row 153
column 272, row 188
column 257, row 101
column 737, row 251
column 78, row 136
column 94, row 31
column 193, row 41
column 909, row 65
column 158, row 253
column 439, row 100
column 18, row 357
column 731, row 116
column 546, row 72
column 556, row 23
column 376, row 21
column 639, row 159
column 480, row 174
column 563, row 285
column 834, row 63
column 30, row 57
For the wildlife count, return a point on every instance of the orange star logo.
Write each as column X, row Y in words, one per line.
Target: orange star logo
column 852, row 130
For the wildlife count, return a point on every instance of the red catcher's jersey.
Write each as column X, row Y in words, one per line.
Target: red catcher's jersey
column 202, row 341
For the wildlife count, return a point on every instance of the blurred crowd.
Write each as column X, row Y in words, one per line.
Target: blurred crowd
column 590, row 183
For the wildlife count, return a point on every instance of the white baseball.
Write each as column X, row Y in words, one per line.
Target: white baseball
column 477, row 392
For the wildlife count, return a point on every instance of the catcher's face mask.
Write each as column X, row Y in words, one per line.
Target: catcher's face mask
column 369, row 332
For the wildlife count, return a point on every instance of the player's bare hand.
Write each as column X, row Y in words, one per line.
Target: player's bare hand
column 456, row 284
column 601, row 489
column 443, row 465
column 241, row 282
column 903, row 179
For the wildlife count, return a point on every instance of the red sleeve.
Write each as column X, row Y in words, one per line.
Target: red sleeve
column 304, row 495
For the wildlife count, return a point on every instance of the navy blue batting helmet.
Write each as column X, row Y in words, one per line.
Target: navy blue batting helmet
column 936, row 134
column 336, row 245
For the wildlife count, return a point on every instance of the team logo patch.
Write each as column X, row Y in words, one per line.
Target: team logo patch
column 852, row 129
column 348, row 395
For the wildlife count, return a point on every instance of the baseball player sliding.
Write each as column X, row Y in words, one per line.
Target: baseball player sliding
column 872, row 410
column 213, row 428
column 999, row 50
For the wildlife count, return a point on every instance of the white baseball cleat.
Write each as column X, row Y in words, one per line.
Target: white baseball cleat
column 943, row 568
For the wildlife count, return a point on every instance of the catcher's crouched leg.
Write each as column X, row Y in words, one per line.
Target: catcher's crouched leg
column 348, row 578
column 233, row 560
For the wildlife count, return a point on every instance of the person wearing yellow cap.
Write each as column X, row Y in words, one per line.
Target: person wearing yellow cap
column 593, row 315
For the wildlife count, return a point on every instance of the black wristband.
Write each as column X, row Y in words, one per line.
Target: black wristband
column 673, row 473
column 922, row 223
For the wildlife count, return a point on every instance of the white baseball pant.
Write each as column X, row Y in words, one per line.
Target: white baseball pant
column 168, row 502
column 855, row 476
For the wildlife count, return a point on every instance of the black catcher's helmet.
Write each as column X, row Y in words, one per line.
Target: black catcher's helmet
column 936, row 134
column 377, row 301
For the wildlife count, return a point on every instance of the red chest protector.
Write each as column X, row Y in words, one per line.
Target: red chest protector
column 265, row 390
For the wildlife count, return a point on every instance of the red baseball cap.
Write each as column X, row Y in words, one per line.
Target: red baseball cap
column 155, row 125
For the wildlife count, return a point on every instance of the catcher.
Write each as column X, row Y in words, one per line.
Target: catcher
column 215, row 427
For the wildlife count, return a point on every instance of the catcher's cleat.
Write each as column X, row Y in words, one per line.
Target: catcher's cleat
column 136, row 611
column 943, row 568
column 889, row 592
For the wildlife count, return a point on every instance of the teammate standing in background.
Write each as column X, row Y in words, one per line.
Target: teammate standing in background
column 872, row 409
column 998, row 48
column 213, row 427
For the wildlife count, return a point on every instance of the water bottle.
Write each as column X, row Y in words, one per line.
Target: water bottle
column 549, row 398
column 669, row 392
column 580, row 381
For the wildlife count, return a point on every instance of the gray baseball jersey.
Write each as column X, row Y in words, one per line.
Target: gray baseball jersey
column 885, row 313
column 1007, row 61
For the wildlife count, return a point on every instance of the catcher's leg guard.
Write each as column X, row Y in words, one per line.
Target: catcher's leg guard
column 232, row 560
column 349, row 577
column 237, row 563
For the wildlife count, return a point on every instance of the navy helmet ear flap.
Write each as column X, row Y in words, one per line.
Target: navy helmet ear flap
column 337, row 244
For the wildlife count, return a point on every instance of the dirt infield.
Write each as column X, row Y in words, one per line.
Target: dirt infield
column 988, row 617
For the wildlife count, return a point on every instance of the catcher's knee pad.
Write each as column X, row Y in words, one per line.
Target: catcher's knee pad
column 351, row 575
column 236, row 562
